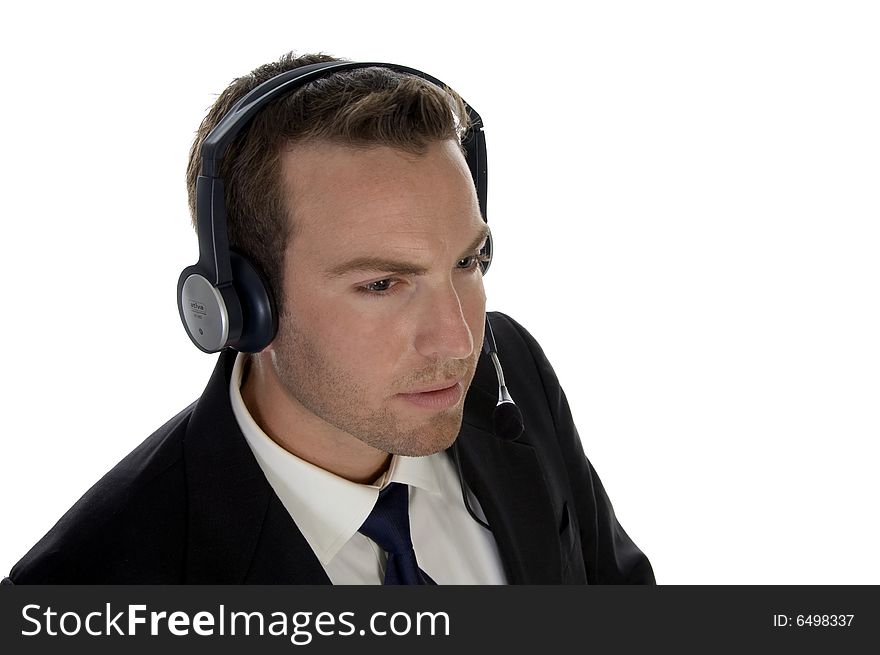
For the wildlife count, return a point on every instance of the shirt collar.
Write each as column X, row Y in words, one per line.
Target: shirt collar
column 327, row 508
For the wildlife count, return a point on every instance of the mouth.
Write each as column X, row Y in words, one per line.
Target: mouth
column 438, row 386
column 438, row 396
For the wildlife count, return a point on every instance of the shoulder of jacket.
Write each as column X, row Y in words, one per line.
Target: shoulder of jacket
column 147, row 485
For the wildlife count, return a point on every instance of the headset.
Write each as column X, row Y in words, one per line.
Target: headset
column 223, row 300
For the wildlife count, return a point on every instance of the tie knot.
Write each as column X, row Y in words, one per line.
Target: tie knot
column 388, row 523
column 388, row 526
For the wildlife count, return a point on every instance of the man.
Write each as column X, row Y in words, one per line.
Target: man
column 357, row 444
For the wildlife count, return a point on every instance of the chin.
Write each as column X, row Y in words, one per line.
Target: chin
column 421, row 443
column 424, row 450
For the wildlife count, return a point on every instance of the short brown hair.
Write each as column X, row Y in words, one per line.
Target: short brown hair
column 360, row 107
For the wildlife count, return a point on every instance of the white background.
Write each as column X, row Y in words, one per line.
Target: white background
column 686, row 210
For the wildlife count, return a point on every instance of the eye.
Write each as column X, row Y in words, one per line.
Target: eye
column 379, row 286
column 388, row 286
column 472, row 261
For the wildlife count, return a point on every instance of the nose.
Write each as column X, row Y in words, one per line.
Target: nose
column 443, row 331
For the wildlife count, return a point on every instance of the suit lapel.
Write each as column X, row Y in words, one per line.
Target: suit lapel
column 282, row 554
column 507, row 479
column 239, row 531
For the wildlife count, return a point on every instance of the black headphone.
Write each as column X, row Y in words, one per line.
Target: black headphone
column 223, row 300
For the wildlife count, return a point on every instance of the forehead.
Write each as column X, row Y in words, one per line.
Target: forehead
column 346, row 200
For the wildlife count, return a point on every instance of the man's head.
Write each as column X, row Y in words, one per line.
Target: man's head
column 353, row 198
column 361, row 107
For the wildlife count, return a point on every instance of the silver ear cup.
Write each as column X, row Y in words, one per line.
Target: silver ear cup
column 204, row 314
column 487, row 251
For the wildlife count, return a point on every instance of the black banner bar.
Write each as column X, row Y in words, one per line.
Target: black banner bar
column 422, row 620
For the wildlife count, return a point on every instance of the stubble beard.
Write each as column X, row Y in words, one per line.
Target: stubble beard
column 333, row 395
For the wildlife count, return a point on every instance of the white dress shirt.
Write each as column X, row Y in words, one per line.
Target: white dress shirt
column 450, row 546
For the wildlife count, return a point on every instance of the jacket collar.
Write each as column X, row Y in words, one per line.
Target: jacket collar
column 240, row 532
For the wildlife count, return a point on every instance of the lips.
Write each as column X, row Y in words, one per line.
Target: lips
column 435, row 397
column 434, row 387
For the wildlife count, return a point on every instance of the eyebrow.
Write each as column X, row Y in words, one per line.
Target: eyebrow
column 396, row 267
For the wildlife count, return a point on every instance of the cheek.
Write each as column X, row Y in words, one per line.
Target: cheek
column 364, row 344
column 473, row 306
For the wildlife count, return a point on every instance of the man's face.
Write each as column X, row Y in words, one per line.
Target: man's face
column 357, row 332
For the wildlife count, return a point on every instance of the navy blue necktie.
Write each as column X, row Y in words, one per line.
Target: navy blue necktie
column 388, row 526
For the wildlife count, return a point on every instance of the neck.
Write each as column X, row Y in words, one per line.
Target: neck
column 303, row 434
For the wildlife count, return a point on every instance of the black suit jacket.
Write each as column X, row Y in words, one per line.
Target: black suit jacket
column 191, row 504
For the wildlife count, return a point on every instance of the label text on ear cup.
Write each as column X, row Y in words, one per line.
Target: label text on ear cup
column 197, row 308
